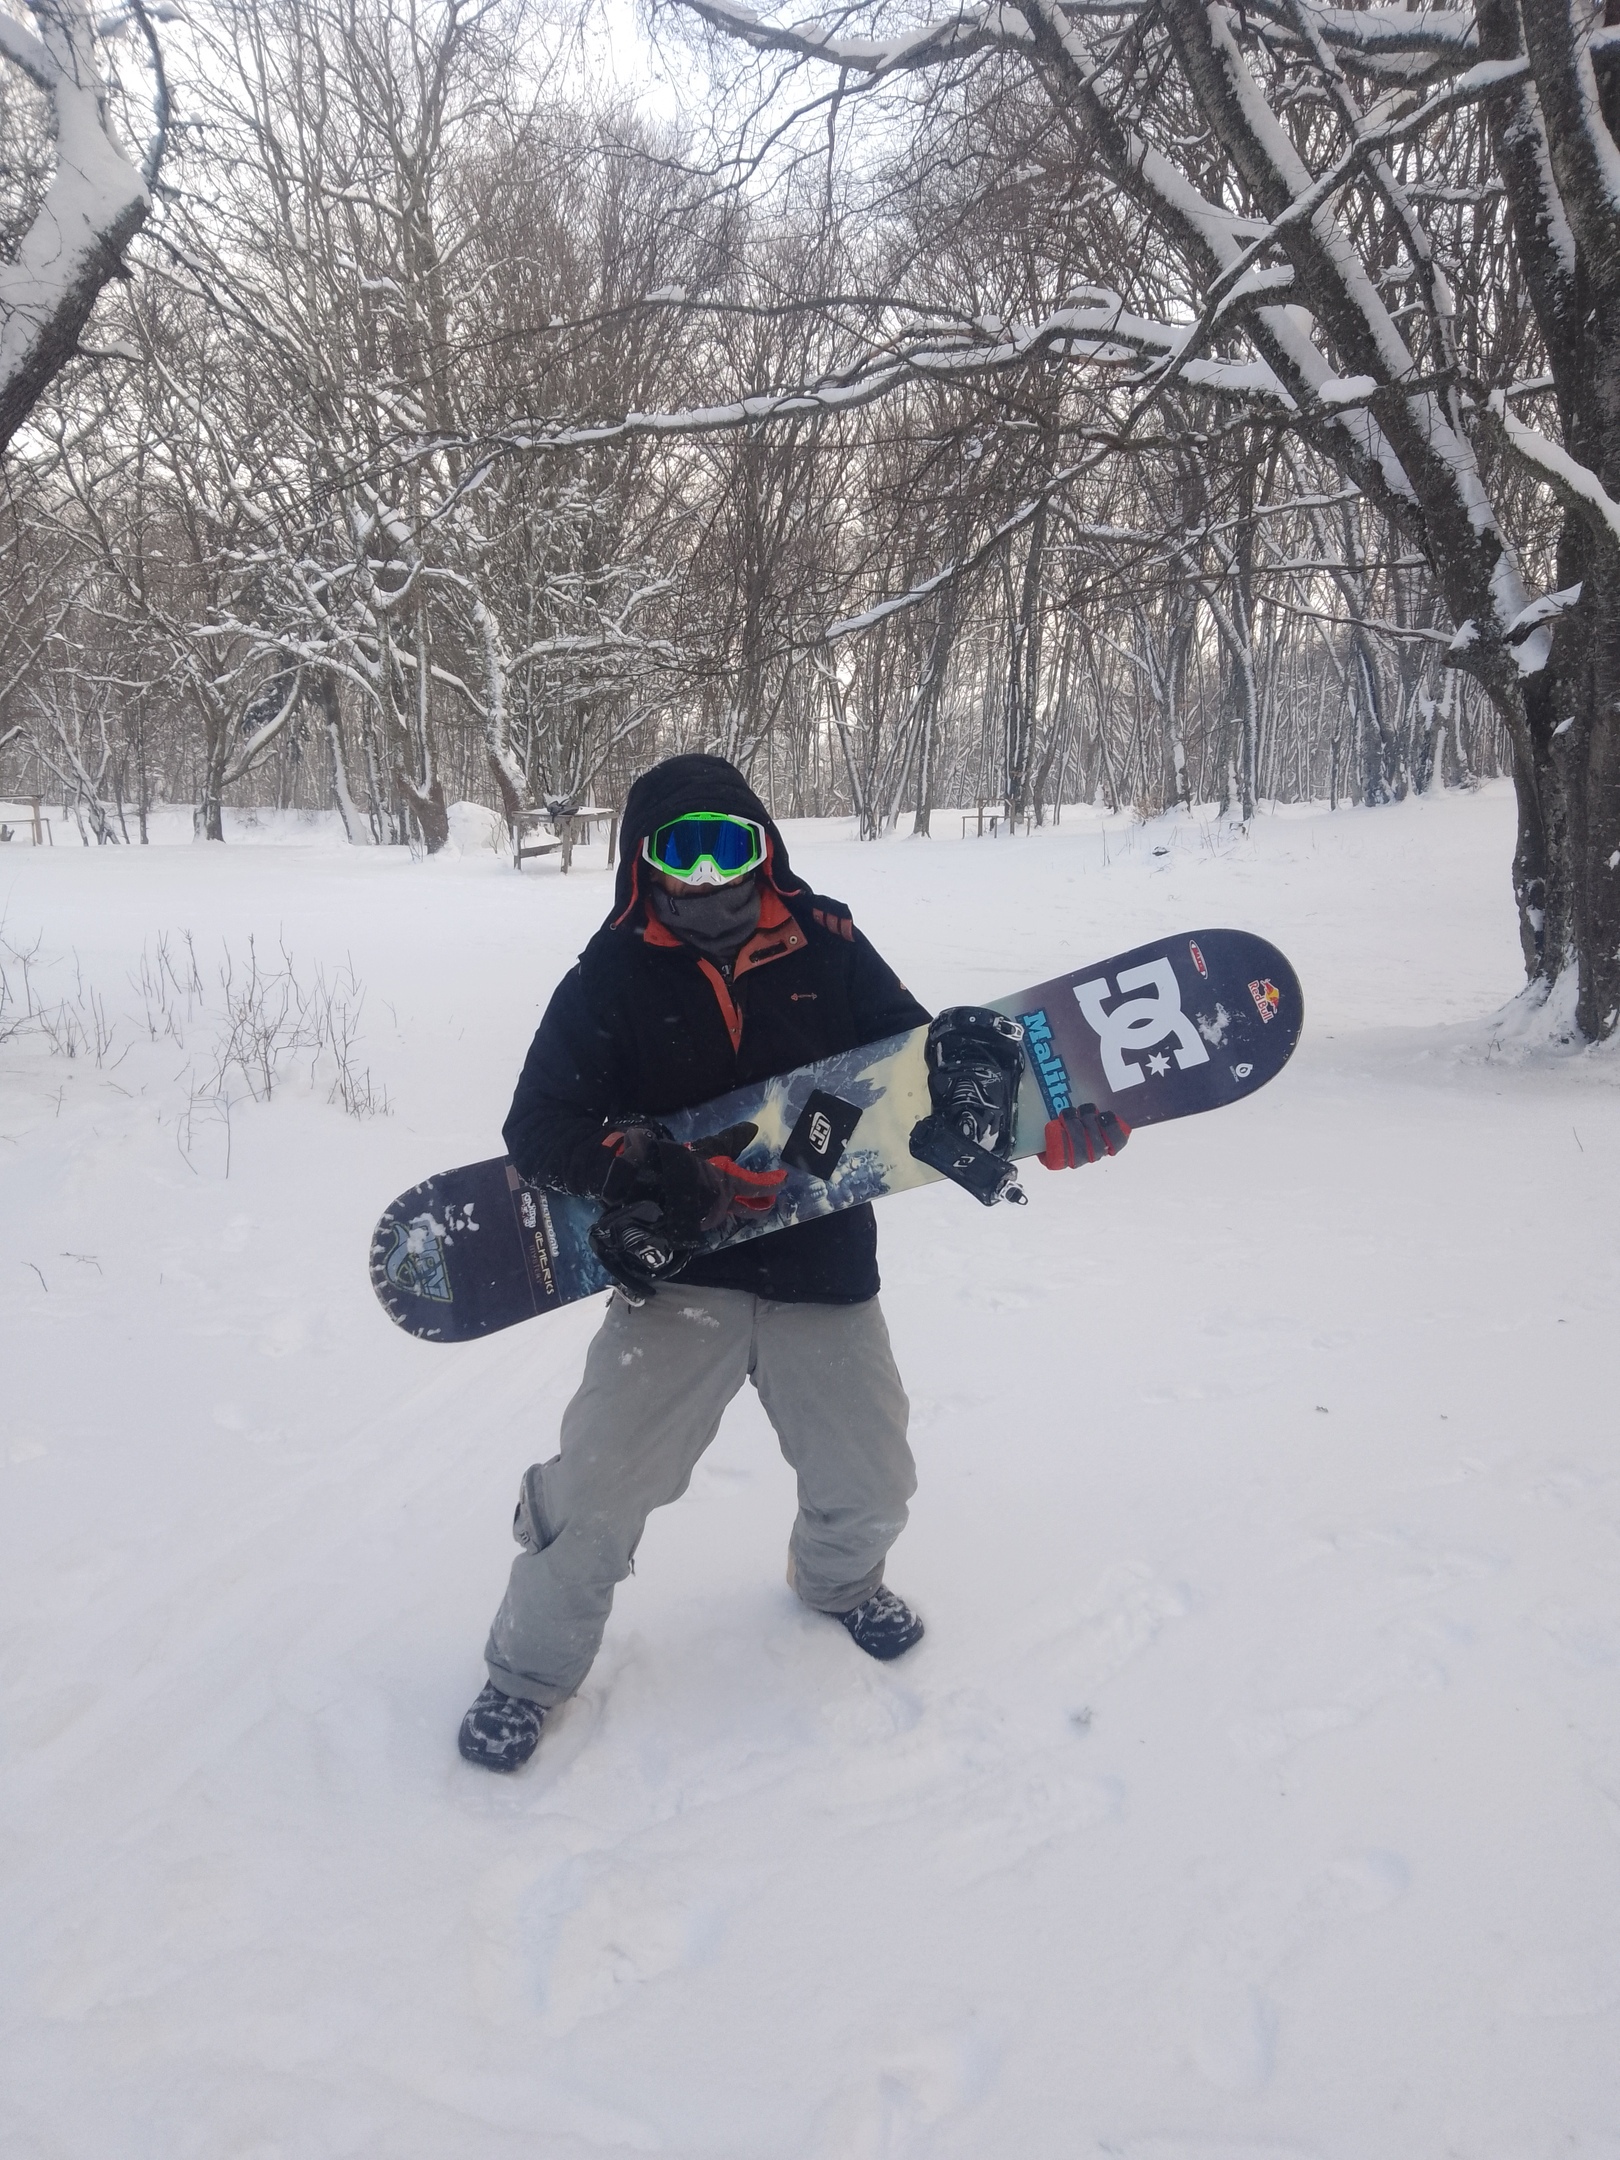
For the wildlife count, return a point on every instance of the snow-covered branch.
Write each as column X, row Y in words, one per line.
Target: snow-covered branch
column 1572, row 482
column 95, row 203
column 953, row 36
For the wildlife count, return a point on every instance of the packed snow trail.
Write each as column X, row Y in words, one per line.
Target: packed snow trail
column 1255, row 1790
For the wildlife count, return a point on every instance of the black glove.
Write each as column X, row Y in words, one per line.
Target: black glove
column 975, row 1062
column 1083, row 1135
column 694, row 1189
column 662, row 1198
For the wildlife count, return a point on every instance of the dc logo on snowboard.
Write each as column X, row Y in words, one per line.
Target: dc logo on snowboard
column 1140, row 1024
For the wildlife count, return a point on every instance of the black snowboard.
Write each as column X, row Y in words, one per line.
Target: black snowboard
column 1173, row 1028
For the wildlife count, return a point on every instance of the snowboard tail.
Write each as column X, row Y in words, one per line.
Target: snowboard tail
column 1168, row 1030
column 475, row 1250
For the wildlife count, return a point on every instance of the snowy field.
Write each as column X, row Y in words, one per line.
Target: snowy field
column 1255, row 1794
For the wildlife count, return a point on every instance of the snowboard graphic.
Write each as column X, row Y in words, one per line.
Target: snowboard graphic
column 1165, row 1031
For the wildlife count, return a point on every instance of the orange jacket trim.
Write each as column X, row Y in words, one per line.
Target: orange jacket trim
column 777, row 935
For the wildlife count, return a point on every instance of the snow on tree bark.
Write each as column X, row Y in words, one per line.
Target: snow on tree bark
column 96, row 202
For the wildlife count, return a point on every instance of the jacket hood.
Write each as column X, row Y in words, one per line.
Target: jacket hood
column 671, row 790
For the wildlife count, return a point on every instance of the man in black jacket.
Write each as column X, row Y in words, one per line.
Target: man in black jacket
column 715, row 968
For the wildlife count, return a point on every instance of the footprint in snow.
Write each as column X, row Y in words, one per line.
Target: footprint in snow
column 1233, row 2040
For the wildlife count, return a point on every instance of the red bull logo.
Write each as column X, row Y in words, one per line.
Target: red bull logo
column 1267, row 997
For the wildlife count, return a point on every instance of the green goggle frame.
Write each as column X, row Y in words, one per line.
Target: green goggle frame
column 707, row 847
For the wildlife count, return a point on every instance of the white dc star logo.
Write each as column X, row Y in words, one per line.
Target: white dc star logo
column 1139, row 1023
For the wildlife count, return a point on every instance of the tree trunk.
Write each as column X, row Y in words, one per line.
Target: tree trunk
column 925, row 776
column 857, row 794
column 429, row 806
column 1057, row 733
column 1180, row 645
column 1566, row 866
column 355, row 828
column 1024, row 672
column 208, row 820
column 507, row 773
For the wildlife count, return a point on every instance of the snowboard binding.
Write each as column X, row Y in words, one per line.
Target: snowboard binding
column 975, row 1060
column 634, row 1246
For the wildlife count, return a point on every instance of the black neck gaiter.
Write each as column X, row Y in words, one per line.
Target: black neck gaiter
column 717, row 920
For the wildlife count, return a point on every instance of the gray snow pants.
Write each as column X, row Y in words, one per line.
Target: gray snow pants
column 657, row 1381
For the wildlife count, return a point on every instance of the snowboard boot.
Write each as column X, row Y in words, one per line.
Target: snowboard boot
column 501, row 1732
column 885, row 1626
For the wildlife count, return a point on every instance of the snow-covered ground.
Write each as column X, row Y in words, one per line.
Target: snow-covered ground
column 1255, row 1794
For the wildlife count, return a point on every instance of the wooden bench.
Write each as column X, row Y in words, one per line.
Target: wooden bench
column 998, row 818
column 566, row 834
column 523, row 845
column 39, row 830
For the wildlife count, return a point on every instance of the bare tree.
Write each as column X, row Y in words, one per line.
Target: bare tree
column 994, row 435
column 1303, row 166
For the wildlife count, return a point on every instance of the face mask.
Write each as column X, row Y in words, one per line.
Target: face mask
column 715, row 919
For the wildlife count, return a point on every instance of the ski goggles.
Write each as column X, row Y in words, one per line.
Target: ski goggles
column 709, row 847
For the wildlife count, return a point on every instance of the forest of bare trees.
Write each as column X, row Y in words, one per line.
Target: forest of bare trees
column 1153, row 403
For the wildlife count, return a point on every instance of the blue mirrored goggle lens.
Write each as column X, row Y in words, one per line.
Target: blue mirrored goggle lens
column 732, row 843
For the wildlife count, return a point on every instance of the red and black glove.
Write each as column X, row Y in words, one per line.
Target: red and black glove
column 738, row 1191
column 1082, row 1135
column 696, row 1188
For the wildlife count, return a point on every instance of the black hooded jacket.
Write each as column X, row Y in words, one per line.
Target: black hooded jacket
column 643, row 1025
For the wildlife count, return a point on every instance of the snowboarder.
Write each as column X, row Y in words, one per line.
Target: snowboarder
column 715, row 968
